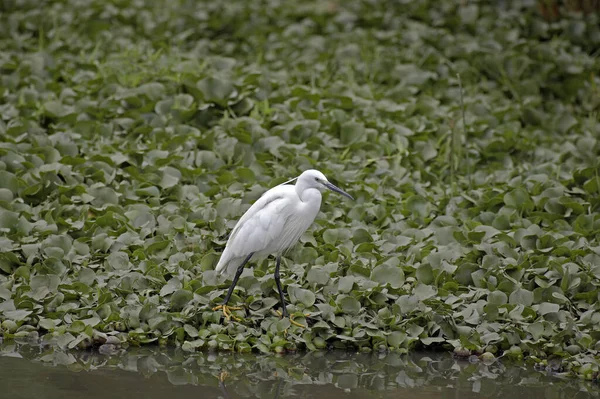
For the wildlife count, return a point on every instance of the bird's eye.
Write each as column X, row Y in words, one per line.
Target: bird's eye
column 316, row 179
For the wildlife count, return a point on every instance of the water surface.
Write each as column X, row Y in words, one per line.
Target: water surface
column 34, row 371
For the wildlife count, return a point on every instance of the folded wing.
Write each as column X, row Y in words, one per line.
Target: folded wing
column 261, row 229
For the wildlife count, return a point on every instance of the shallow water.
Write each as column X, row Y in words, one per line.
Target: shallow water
column 33, row 371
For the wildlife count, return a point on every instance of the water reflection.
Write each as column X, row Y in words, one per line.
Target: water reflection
column 37, row 371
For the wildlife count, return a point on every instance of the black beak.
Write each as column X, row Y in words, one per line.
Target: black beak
column 337, row 190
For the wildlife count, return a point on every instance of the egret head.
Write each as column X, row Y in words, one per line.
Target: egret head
column 314, row 179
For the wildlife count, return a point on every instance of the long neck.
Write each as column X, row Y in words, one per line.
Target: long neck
column 307, row 193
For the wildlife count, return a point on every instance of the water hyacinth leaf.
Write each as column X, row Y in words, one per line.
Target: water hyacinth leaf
column 47, row 283
column 170, row 177
column 180, row 298
column 6, row 194
column 9, row 182
column 172, row 285
column 414, row 330
column 424, row 291
column 8, row 220
column 521, row 296
column 352, row 132
column 92, row 321
column 216, row 90
column 345, row 284
column 103, row 196
column 283, row 324
column 118, row 260
column 396, row 338
column 17, row 315
column 425, row 274
column 566, row 122
column 348, row 304
column 432, row 340
column 126, row 160
column 417, row 206
column 330, row 236
column 317, row 276
column 8, row 262
column 536, row 330
column 190, row 330
column 48, row 324
column 306, row 297
column 387, row 274
column 5, row 293
column 56, row 109
column 519, row 199
column 547, row 307
column 497, row 298
column 407, row 303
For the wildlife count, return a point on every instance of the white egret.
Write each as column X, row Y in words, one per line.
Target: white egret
column 273, row 224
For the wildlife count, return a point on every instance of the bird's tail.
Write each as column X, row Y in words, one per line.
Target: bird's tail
column 227, row 265
column 222, row 265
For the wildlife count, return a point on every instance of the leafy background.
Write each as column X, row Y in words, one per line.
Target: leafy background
column 135, row 134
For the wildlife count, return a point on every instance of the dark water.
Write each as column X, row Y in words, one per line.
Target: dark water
column 33, row 371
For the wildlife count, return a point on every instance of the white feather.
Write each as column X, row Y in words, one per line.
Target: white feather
column 275, row 222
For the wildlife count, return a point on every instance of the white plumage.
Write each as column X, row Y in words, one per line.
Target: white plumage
column 274, row 223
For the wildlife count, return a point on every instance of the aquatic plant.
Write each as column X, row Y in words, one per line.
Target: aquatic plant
column 134, row 134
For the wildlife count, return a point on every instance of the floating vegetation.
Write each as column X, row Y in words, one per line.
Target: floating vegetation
column 134, row 134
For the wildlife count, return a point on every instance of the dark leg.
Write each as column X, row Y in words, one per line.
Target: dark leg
column 222, row 376
column 284, row 312
column 238, row 273
column 277, row 392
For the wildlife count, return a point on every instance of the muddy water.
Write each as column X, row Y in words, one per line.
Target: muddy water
column 33, row 371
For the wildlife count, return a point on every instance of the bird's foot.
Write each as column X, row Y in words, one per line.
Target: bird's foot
column 291, row 317
column 227, row 311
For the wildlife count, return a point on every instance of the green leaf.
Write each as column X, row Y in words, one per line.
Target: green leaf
column 566, row 122
column 352, row 132
column 47, row 324
column 172, row 285
column 348, row 304
column 8, row 219
column 425, row 274
column 521, row 296
column 118, row 260
column 423, row 291
column 518, row 199
column 190, row 330
column 417, row 206
column 56, row 109
column 330, row 236
column 306, row 297
column 170, row 177
column 345, row 284
column 497, row 298
column 396, row 338
column 432, row 340
column 103, row 196
column 92, row 321
column 216, row 90
column 43, row 285
column 317, row 276
column 547, row 307
column 17, row 315
column 9, row 181
column 180, row 298
column 387, row 274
